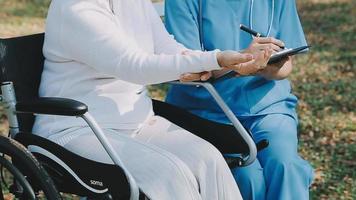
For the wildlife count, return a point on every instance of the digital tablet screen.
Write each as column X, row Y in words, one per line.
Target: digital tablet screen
column 285, row 53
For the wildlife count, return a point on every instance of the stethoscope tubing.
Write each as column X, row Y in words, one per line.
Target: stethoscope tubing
column 252, row 3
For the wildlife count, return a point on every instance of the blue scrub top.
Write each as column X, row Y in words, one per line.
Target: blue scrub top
column 246, row 96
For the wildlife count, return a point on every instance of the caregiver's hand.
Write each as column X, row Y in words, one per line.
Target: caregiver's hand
column 274, row 71
column 261, row 43
column 278, row 71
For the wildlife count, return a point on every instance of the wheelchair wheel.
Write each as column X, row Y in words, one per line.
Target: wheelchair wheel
column 22, row 176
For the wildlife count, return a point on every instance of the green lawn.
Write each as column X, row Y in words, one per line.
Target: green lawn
column 324, row 81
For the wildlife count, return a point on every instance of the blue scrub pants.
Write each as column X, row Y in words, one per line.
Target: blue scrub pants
column 279, row 173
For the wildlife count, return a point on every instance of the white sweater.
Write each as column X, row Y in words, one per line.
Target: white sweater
column 104, row 57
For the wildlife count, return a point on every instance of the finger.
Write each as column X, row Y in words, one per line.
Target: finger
column 241, row 58
column 267, row 54
column 183, row 80
column 262, row 57
column 264, row 40
column 190, row 77
column 274, row 47
column 185, row 52
column 205, row 76
column 247, row 68
column 187, row 80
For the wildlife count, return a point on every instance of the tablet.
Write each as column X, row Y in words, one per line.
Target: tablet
column 275, row 58
column 227, row 75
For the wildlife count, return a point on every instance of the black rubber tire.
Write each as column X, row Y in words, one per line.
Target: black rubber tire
column 19, row 177
column 29, row 166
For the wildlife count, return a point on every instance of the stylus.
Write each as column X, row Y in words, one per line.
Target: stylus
column 252, row 32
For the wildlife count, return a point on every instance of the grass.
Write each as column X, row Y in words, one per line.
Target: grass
column 19, row 17
column 324, row 81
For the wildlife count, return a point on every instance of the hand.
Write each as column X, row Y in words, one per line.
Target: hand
column 244, row 63
column 189, row 77
column 278, row 70
column 279, row 64
column 261, row 43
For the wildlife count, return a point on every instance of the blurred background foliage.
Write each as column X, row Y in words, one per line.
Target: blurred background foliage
column 324, row 80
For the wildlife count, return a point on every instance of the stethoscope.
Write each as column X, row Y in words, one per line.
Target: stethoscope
column 252, row 3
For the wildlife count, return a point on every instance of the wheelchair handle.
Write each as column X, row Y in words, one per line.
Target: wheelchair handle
column 8, row 98
column 247, row 159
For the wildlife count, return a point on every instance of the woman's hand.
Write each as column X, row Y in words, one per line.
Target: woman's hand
column 188, row 77
column 244, row 63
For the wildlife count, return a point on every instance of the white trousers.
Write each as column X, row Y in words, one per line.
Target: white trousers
column 167, row 161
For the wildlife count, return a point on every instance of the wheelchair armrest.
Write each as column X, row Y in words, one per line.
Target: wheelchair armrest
column 248, row 159
column 52, row 106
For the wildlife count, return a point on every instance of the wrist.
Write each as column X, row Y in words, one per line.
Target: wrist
column 219, row 58
column 209, row 60
column 272, row 75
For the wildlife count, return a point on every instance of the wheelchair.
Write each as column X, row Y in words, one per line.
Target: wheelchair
column 41, row 169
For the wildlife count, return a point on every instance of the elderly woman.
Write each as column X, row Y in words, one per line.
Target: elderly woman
column 103, row 53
